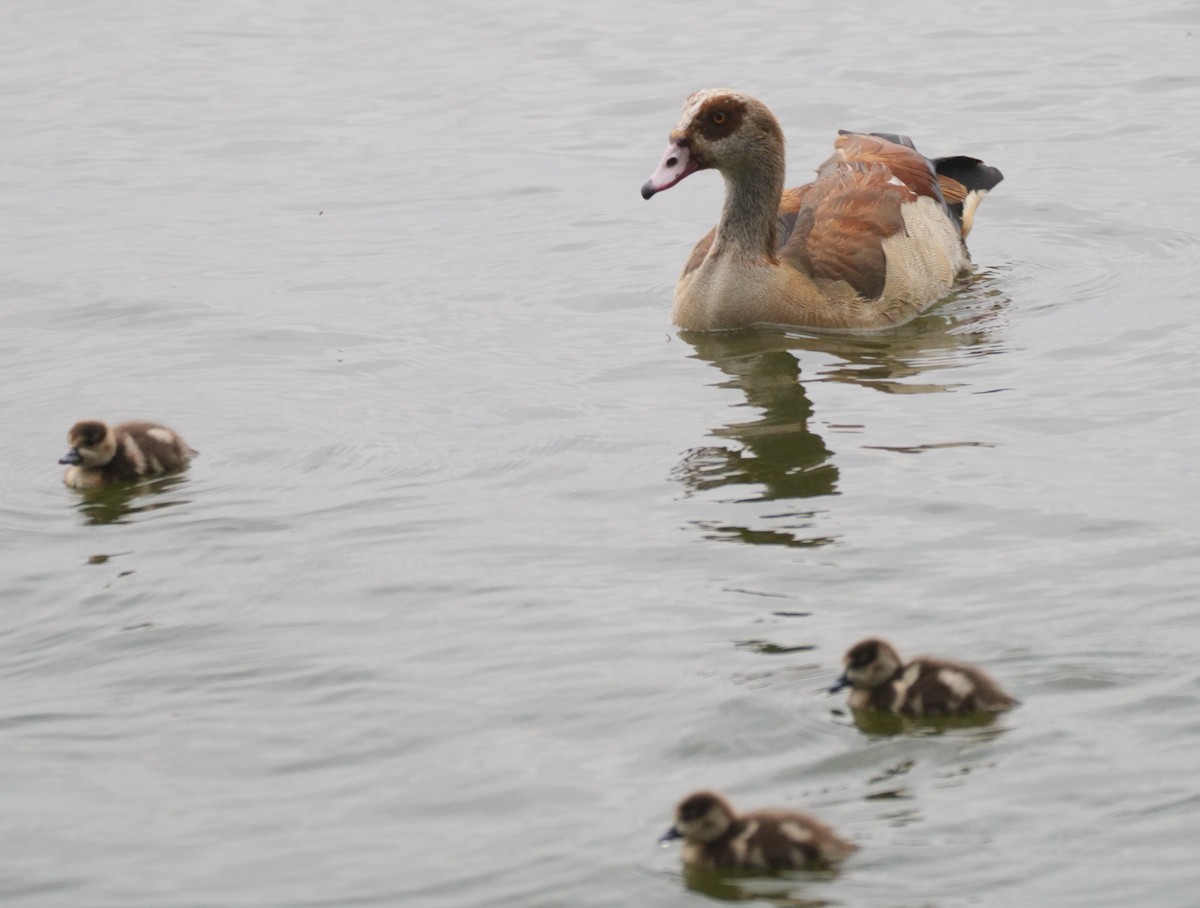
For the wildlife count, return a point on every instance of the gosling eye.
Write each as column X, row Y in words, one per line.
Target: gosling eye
column 718, row 117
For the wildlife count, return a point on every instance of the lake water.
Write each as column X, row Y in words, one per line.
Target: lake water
column 483, row 565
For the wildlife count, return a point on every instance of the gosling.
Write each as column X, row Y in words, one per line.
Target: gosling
column 101, row 454
column 715, row 837
column 925, row 687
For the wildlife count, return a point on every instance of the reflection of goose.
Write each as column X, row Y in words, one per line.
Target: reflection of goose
column 777, row 450
column 118, row 503
column 774, row 457
column 777, row 455
column 779, row 892
column 873, row 241
column 950, row 338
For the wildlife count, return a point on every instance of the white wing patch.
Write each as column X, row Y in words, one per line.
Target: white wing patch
column 958, row 683
column 135, row 454
column 795, row 832
column 740, row 844
column 907, row 680
column 166, row 436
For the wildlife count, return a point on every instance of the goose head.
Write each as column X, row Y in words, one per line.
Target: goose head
column 868, row 664
column 91, row 444
column 704, row 816
column 720, row 129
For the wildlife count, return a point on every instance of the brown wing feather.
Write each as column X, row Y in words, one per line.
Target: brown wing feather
column 840, row 229
column 954, row 192
column 833, row 228
column 907, row 164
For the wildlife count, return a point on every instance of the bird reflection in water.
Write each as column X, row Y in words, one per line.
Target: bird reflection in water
column 118, row 503
column 783, row 890
column 777, row 456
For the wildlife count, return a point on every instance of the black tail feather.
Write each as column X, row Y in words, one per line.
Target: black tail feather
column 973, row 176
column 971, row 172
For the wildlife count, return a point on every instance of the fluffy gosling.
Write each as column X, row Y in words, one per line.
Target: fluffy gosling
column 101, row 454
column 715, row 837
column 924, row 687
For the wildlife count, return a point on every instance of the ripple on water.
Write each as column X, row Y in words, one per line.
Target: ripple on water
column 437, row 618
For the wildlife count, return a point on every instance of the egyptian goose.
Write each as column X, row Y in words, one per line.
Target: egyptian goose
column 715, row 837
column 873, row 241
column 101, row 454
column 924, row 687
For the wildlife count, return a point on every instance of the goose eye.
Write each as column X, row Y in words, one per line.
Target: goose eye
column 719, row 117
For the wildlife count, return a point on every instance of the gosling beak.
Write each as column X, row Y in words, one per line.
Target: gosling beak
column 72, row 456
column 841, row 682
column 677, row 162
column 672, row 833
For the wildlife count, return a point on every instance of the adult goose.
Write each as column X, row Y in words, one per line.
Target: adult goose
column 877, row 238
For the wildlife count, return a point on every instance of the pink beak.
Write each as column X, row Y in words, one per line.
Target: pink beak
column 677, row 163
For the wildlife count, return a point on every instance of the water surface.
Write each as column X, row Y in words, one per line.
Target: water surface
column 483, row 565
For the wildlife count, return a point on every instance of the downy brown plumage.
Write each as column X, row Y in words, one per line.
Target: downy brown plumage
column 100, row 454
column 716, row 837
column 924, row 687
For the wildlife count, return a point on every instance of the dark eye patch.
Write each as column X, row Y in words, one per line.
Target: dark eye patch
column 695, row 808
column 720, row 117
column 864, row 654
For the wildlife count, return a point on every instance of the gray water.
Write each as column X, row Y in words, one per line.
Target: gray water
column 483, row 565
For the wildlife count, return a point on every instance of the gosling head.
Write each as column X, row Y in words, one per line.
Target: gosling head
column 719, row 128
column 91, row 444
column 704, row 816
column 868, row 664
